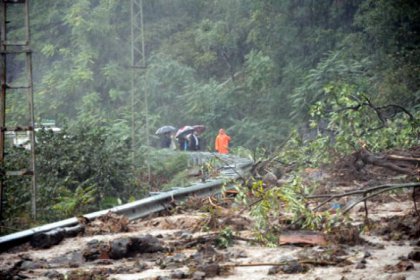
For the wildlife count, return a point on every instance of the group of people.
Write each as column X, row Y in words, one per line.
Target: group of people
column 192, row 141
column 189, row 142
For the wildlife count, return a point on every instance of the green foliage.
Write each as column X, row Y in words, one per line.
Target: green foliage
column 85, row 160
column 292, row 194
column 224, row 238
column 343, row 120
column 263, row 210
column 79, row 170
column 333, row 68
column 17, row 191
column 352, row 118
column 289, row 198
column 243, row 65
column 259, row 71
column 167, row 169
column 74, row 204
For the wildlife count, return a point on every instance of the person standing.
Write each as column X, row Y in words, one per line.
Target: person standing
column 172, row 146
column 165, row 140
column 221, row 143
column 183, row 143
column 193, row 141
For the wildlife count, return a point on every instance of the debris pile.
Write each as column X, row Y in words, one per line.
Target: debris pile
column 108, row 223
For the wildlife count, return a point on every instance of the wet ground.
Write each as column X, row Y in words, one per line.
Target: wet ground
column 172, row 248
column 220, row 243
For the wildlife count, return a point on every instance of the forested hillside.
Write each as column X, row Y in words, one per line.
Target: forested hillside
column 267, row 71
column 248, row 66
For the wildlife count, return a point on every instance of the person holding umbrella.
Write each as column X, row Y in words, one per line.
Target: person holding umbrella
column 221, row 143
column 165, row 141
column 193, row 141
column 181, row 136
column 166, row 135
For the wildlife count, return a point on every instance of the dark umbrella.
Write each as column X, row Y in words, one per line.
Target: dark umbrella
column 165, row 129
column 184, row 130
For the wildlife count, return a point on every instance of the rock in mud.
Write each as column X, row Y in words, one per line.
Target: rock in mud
column 294, row 267
column 45, row 240
column 139, row 266
column 175, row 261
column 96, row 250
column 33, row 264
column 120, row 248
column 163, row 278
column 198, row 275
column 415, row 254
column 178, row 274
column 415, row 242
column 205, row 252
column 54, row 274
column 289, row 268
column 186, row 235
column 237, row 254
column 147, row 244
column 70, row 259
column 210, row 270
column 401, row 266
column 360, row 265
column 87, row 274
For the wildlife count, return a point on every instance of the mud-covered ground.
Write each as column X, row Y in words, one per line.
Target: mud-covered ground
column 221, row 244
column 172, row 247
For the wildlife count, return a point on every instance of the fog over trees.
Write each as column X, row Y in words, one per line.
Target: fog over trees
column 265, row 70
column 280, row 55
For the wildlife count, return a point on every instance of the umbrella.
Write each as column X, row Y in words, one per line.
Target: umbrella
column 165, row 129
column 199, row 128
column 184, row 130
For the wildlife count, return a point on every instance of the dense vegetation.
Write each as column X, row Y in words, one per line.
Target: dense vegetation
column 265, row 70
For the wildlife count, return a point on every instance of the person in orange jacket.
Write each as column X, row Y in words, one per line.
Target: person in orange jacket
column 222, row 142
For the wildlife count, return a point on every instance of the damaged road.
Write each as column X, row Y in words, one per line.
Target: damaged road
column 212, row 238
column 180, row 247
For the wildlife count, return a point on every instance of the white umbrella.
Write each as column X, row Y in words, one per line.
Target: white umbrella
column 165, row 129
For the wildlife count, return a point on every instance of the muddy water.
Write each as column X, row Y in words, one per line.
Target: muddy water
column 382, row 252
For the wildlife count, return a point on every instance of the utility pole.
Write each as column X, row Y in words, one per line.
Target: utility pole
column 138, row 62
column 138, row 59
column 11, row 51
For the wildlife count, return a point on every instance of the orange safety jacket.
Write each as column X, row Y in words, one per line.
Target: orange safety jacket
column 222, row 143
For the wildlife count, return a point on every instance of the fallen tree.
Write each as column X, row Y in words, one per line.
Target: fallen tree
column 401, row 164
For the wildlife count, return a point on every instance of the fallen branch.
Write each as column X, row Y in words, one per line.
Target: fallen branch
column 397, row 157
column 369, row 158
column 377, row 189
column 313, row 262
column 366, row 197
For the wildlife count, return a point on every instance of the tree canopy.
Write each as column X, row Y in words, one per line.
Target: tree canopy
column 245, row 65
